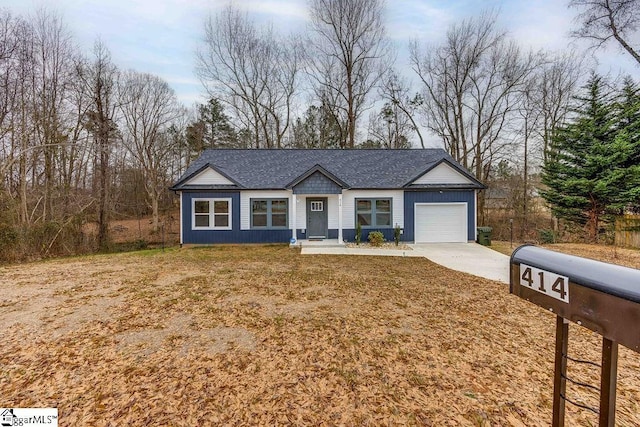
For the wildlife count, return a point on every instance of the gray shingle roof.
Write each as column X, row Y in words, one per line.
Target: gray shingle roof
column 359, row 169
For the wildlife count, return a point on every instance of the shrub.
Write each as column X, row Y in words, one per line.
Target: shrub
column 547, row 236
column 376, row 238
column 10, row 249
column 358, row 233
column 396, row 234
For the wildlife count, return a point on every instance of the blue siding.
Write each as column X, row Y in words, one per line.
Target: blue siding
column 413, row 197
column 235, row 235
column 349, row 234
column 283, row 236
column 317, row 183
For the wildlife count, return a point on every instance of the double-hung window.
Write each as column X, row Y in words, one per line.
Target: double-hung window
column 373, row 213
column 211, row 214
column 269, row 213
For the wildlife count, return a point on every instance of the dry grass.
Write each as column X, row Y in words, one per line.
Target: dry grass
column 261, row 335
column 612, row 254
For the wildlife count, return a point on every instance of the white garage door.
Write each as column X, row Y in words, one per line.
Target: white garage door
column 440, row 222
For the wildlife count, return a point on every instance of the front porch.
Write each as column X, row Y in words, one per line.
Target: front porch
column 317, row 218
column 318, row 243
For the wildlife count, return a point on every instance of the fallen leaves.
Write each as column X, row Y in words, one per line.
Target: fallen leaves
column 259, row 335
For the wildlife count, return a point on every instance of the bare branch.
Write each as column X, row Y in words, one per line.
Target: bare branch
column 602, row 20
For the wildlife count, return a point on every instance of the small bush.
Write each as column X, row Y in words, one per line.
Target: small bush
column 10, row 249
column 358, row 233
column 396, row 234
column 376, row 238
column 547, row 236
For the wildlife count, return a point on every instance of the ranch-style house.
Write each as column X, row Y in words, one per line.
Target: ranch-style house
column 267, row 196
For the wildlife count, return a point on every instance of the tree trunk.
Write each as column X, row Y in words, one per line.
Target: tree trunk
column 103, row 202
column 154, row 195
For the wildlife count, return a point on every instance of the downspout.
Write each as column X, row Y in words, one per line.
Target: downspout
column 294, row 217
column 181, row 216
column 340, row 239
column 475, row 213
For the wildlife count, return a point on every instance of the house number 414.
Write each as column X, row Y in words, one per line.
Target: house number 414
column 545, row 282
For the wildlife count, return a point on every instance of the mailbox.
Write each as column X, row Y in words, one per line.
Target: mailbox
column 599, row 296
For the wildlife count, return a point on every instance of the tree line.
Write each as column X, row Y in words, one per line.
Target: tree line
column 82, row 140
column 77, row 135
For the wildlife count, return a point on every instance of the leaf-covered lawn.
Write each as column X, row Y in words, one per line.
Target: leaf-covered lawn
column 252, row 335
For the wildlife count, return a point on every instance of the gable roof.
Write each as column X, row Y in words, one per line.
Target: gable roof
column 218, row 178
column 321, row 170
column 463, row 179
column 355, row 169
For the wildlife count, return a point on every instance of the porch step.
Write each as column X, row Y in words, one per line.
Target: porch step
column 325, row 243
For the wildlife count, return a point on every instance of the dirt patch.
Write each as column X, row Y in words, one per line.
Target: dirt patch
column 246, row 335
column 179, row 332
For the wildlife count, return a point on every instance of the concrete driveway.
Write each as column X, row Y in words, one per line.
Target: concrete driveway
column 469, row 258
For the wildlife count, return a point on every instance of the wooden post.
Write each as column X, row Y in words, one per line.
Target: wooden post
column 608, row 378
column 560, row 371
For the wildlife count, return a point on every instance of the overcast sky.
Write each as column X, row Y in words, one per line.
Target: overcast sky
column 161, row 36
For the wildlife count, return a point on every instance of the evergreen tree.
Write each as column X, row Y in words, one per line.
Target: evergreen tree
column 212, row 129
column 317, row 129
column 588, row 166
column 628, row 122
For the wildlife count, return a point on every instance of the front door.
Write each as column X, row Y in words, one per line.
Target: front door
column 317, row 219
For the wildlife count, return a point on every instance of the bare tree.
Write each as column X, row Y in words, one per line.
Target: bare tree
column 53, row 55
column 348, row 59
column 254, row 71
column 148, row 107
column 529, row 113
column 397, row 92
column 21, row 124
column 60, row 149
column 9, row 46
column 471, row 84
column 389, row 128
column 559, row 78
column 97, row 80
column 603, row 20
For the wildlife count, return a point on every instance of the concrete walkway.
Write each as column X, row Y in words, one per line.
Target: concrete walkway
column 469, row 258
column 343, row 250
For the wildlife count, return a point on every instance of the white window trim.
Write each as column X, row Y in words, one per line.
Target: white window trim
column 211, row 214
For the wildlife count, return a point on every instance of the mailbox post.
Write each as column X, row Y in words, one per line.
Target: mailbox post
column 602, row 297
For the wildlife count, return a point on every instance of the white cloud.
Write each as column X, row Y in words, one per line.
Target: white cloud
column 161, row 36
column 289, row 9
column 417, row 19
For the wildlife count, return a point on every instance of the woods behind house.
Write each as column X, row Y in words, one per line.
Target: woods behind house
column 83, row 141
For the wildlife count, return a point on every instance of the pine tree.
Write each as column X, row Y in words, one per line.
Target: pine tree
column 212, row 129
column 585, row 172
column 627, row 112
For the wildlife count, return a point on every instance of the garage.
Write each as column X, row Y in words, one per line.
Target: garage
column 441, row 222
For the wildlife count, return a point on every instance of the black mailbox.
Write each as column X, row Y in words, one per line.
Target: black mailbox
column 600, row 296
